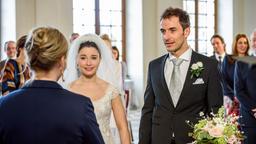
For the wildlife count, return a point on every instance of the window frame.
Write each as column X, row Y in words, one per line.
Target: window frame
column 123, row 24
column 196, row 13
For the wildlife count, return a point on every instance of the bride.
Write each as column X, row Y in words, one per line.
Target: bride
column 90, row 73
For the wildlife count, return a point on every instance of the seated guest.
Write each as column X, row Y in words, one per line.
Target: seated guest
column 16, row 71
column 42, row 112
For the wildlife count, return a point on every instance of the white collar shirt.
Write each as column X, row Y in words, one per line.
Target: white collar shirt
column 168, row 68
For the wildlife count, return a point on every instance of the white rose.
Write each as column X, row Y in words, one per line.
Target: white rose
column 194, row 66
column 200, row 64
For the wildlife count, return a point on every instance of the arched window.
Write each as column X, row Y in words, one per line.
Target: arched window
column 101, row 17
column 202, row 17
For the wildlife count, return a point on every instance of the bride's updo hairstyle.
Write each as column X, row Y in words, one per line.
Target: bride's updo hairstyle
column 45, row 47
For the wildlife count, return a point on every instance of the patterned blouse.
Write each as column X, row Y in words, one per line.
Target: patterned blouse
column 14, row 76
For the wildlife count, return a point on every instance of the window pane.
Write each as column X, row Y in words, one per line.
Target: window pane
column 202, row 7
column 205, row 27
column 110, row 5
column 202, row 20
column 202, row 47
column 84, row 4
column 117, row 33
column 192, row 20
column 84, row 16
column 192, row 34
column 110, row 18
column 189, row 6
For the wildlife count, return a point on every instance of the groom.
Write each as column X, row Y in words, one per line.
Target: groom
column 174, row 94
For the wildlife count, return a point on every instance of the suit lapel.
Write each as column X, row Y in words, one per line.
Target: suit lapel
column 188, row 80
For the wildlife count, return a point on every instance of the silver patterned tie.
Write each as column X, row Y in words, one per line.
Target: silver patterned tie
column 175, row 83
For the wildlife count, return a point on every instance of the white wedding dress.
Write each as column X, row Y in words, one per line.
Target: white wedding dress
column 102, row 109
column 107, row 71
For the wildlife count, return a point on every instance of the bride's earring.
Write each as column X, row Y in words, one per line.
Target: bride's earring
column 62, row 76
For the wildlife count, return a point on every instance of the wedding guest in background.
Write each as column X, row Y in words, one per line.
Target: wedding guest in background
column 219, row 47
column 91, row 54
column 253, row 42
column 117, row 65
column 174, row 94
column 115, row 52
column 124, row 70
column 245, row 86
column 42, row 112
column 16, row 71
column 240, row 48
column 116, row 55
column 73, row 37
column 10, row 49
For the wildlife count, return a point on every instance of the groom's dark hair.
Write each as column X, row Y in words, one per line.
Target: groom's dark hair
column 181, row 14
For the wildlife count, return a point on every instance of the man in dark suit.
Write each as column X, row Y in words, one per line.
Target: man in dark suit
column 171, row 100
column 219, row 47
column 245, row 86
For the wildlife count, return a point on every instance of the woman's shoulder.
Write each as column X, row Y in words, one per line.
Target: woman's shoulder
column 11, row 63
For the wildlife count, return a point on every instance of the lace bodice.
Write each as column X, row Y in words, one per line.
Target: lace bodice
column 102, row 109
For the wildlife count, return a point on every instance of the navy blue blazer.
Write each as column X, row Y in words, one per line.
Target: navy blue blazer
column 227, row 71
column 42, row 112
column 160, row 119
column 245, row 90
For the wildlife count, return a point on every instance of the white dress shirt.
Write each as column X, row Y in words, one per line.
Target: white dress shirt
column 222, row 56
column 168, row 68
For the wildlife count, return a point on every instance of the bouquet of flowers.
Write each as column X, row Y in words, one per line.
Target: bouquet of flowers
column 218, row 129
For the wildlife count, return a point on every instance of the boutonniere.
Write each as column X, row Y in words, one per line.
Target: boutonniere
column 196, row 69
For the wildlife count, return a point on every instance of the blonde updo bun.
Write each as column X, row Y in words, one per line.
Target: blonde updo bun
column 45, row 46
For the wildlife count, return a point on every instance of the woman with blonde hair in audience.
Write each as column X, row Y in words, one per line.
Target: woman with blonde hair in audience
column 240, row 48
column 42, row 112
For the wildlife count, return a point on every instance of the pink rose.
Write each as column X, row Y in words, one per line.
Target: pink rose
column 216, row 131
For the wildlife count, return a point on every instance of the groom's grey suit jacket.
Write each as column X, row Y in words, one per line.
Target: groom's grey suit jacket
column 160, row 120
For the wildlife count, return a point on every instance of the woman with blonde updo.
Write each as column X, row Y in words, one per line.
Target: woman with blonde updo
column 42, row 111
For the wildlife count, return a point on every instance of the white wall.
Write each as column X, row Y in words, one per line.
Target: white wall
column 225, row 22
column 134, row 49
column 26, row 16
column 33, row 13
column 8, row 30
column 249, row 16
